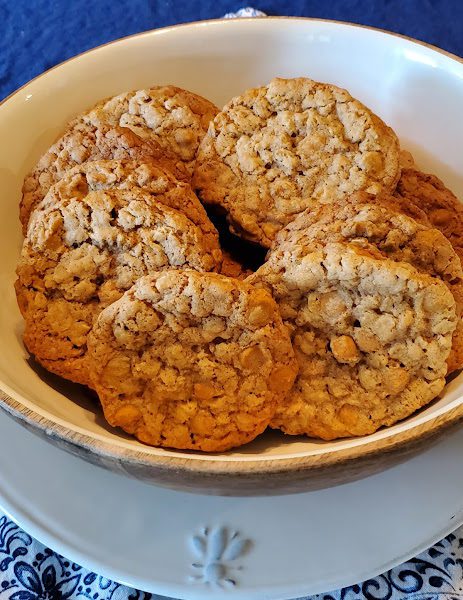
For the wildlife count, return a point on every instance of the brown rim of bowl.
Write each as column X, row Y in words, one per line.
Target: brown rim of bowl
column 400, row 442
column 413, row 436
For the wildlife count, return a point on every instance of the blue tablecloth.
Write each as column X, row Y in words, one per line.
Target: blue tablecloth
column 37, row 34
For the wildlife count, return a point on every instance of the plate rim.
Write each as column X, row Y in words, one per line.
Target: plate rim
column 40, row 530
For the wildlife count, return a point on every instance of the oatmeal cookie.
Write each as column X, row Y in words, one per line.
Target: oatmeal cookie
column 406, row 160
column 174, row 118
column 82, row 142
column 82, row 254
column 273, row 149
column 232, row 268
column 371, row 336
column 379, row 221
column 191, row 360
column 129, row 174
column 442, row 208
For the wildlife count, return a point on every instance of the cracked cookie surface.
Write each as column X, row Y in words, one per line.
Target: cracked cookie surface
column 371, row 336
column 129, row 174
column 274, row 148
column 379, row 221
column 82, row 254
column 82, row 142
column 174, row 118
column 191, row 360
column 442, row 208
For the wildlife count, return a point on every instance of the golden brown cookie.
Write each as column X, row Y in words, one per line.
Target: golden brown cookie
column 379, row 221
column 191, row 360
column 174, row 118
column 232, row 268
column 445, row 212
column 129, row 174
column 82, row 254
column 82, row 142
column 371, row 336
column 273, row 149
column 406, row 160
column 442, row 208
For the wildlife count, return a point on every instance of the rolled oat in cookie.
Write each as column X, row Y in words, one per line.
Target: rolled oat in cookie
column 81, row 254
column 174, row 118
column 371, row 336
column 191, row 360
column 82, row 142
column 379, row 221
column 130, row 174
column 273, row 149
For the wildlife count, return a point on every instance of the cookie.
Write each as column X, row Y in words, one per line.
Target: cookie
column 397, row 236
column 406, row 160
column 174, row 118
column 442, row 208
column 377, row 220
column 191, row 360
column 84, row 142
column 82, row 254
column 273, row 149
column 129, row 174
column 232, row 268
column 371, row 336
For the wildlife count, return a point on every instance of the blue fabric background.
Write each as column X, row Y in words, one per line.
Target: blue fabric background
column 37, row 34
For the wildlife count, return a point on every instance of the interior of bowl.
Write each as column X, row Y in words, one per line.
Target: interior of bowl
column 416, row 90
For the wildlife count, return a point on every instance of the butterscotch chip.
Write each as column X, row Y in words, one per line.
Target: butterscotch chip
column 344, row 349
column 85, row 141
column 253, row 358
column 371, row 335
column 173, row 118
column 274, row 149
column 379, row 221
column 189, row 386
column 128, row 415
column 81, row 254
column 203, row 391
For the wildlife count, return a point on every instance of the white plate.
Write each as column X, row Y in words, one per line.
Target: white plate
column 302, row 544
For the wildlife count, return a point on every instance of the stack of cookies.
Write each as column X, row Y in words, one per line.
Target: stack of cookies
column 351, row 323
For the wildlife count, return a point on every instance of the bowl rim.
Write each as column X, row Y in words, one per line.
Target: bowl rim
column 410, row 438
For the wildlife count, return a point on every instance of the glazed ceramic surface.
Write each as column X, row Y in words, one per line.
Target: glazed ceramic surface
column 206, row 548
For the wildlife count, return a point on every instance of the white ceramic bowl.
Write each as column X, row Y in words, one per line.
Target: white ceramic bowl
column 416, row 89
